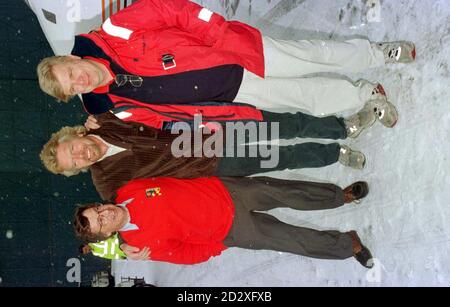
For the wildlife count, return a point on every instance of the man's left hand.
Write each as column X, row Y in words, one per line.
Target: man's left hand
column 91, row 123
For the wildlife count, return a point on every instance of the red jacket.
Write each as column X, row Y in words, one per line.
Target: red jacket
column 138, row 36
column 162, row 116
column 181, row 221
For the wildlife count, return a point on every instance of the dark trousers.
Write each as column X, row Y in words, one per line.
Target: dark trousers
column 301, row 125
column 258, row 230
column 303, row 155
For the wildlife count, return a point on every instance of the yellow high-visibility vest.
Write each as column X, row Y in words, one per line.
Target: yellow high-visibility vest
column 109, row 249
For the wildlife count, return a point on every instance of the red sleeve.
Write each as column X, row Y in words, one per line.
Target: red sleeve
column 143, row 116
column 179, row 252
column 160, row 14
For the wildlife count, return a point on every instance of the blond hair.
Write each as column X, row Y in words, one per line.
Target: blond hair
column 47, row 80
column 48, row 153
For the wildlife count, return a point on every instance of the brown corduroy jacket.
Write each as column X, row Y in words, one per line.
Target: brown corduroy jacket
column 148, row 154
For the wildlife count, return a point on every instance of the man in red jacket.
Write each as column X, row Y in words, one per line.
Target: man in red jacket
column 189, row 221
column 163, row 52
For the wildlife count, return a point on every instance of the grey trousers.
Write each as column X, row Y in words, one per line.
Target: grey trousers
column 258, row 230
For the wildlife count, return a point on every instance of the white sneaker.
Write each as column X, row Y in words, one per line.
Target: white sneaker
column 376, row 89
column 385, row 112
column 397, row 52
column 356, row 123
column 351, row 158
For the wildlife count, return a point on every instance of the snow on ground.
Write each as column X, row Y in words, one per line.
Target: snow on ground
column 405, row 218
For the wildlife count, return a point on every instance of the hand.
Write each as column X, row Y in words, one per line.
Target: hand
column 134, row 253
column 91, row 123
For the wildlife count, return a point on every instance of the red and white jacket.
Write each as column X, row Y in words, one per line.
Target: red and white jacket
column 138, row 37
column 214, row 115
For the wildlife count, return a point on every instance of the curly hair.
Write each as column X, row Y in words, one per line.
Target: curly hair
column 82, row 227
column 48, row 153
column 47, row 80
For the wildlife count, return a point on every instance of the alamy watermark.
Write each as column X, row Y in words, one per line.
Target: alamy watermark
column 74, row 11
column 231, row 140
column 74, row 272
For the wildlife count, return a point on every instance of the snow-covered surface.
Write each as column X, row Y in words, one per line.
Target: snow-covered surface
column 405, row 218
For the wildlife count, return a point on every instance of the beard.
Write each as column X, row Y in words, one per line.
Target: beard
column 96, row 152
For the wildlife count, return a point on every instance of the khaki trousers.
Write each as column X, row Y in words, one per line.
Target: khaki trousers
column 285, row 83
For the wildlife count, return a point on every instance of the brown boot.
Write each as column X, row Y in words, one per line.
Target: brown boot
column 355, row 192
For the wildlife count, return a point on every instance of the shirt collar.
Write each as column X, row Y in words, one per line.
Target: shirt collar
column 128, row 226
column 112, row 149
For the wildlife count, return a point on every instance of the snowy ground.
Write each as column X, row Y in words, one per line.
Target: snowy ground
column 405, row 218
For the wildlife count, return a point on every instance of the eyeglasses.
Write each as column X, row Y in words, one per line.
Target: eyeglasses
column 99, row 219
column 121, row 80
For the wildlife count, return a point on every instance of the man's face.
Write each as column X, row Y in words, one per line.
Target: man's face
column 78, row 153
column 105, row 219
column 78, row 76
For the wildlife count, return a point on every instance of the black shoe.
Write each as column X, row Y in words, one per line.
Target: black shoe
column 364, row 256
column 356, row 191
